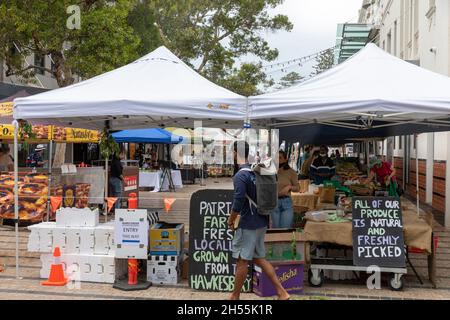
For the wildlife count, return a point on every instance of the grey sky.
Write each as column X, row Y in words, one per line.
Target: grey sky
column 315, row 23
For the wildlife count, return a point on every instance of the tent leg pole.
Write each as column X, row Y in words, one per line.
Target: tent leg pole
column 50, row 159
column 367, row 157
column 417, row 176
column 106, row 191
column 16, row 194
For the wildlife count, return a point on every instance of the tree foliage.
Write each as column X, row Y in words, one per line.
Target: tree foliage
column 105, row 40
column 213, row 34
column 209, row 35
column 324, row 62
column 290, row 79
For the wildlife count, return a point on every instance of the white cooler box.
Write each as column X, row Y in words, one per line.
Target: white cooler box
column 85, row 268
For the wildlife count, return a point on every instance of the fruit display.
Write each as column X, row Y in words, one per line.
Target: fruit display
column 349, row 173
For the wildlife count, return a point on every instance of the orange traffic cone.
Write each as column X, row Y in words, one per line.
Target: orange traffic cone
column 57, row 277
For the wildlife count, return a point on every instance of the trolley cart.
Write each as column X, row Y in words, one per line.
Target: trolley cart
column 316, row 276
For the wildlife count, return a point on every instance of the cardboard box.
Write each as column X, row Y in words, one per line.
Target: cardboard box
column 291, row 276
column 163, row 272
column 279, row 246
column 166, row 239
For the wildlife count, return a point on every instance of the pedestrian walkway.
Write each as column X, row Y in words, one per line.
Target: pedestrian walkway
column 29, row 287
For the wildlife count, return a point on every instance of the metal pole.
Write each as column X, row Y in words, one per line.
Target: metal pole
column 367, row 156
column 106, row 190
column 106, row 179
column 16, row 193
column 417, row 176
column 50, row 158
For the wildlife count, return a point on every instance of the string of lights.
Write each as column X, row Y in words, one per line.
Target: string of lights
column 297, row 61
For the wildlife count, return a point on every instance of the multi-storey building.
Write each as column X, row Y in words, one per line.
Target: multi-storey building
column 417, row 31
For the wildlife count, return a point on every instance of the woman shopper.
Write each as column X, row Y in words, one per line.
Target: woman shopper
column 283, row 215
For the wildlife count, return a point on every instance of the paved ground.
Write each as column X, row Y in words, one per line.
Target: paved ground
column 29, row 286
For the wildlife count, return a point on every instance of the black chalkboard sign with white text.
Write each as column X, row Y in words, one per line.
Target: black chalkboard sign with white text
column 211, row 265
column 378, row 232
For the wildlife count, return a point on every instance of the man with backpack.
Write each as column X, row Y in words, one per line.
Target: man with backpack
column 250, row 219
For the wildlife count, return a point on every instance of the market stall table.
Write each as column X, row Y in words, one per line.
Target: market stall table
column 152, row 179
column 418, row 233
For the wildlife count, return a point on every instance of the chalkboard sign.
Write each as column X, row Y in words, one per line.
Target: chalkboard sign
column 378, row 232
column 211, row 265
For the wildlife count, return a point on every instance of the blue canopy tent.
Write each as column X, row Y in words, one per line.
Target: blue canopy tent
column 156, row 136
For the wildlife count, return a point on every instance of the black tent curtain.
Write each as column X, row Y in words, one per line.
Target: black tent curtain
column 317, row 134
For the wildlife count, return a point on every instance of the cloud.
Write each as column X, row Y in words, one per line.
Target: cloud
column 315, row 24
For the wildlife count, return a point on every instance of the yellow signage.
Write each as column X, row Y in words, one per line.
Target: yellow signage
column 6, row 109
column 82, row 135
column 41, row 133
column 75, row 135
column 6, row 131
column 59, row 134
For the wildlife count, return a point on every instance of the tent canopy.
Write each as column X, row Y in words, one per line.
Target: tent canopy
column 156, row 135
column 154, row 91
column 372, row 86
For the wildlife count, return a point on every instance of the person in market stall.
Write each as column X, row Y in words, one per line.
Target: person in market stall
column 248, row 241
column 6, row 160
column 385, row 175
column 338, row 154
column 147, row 164
column 283, row 215
column 116, row 179
column 306, row 165
column 36, row 159
column 322, row 168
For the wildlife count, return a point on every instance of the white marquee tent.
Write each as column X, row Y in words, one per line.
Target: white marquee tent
column 156, row 89
column 371, row 86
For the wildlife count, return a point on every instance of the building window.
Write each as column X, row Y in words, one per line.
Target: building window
column 39, row 61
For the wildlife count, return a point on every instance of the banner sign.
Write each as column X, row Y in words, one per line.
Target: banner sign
column 41, row 132
column 59, row 134
column 6, row 109
column 75, row 135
